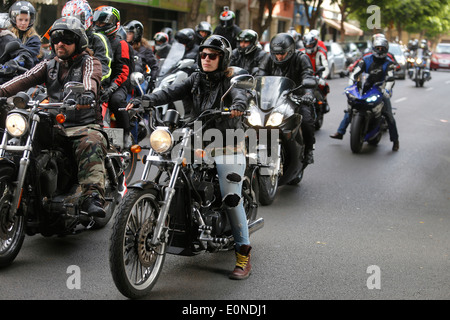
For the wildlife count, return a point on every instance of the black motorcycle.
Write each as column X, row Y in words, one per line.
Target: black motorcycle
column 279, row 147
column 179, row 210
column 39, row 190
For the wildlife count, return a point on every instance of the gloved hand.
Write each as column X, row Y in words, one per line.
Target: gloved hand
column 147, row 100
column 322, row 82
column 10, row 67
column 86, row 99
column 387, row 93
column 308, row 98
column 106, row 93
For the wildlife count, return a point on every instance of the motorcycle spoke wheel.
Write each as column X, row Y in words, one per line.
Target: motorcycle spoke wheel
column 11, row 233
column 136, row 263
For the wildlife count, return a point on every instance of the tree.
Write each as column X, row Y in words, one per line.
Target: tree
column 315, row 12
column 264, row 5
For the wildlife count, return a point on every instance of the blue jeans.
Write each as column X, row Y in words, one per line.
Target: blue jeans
column 231, row 169
column 387, row 112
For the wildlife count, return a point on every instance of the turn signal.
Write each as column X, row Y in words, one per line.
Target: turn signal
column 60, row 118
column 135, row 148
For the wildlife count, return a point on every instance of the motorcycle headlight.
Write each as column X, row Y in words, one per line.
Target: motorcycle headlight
column 275, row 119
column 161, row 140
column 16, row 124
column 372, row 99
column 419, row 61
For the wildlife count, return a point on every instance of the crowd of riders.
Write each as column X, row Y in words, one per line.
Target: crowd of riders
column 121, row 49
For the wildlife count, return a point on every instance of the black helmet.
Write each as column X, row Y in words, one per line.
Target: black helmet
column 137, row 28
column 71, row 27
column 248, row 35
column 108, row 15
column 203, row 26
column 380, row 47
column 280, row 44
column 22, row 7
column 227, row 17
column 220, row 44
column 186, row 36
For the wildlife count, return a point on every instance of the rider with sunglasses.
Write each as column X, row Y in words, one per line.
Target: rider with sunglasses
column 206, row 87
column 72, row 63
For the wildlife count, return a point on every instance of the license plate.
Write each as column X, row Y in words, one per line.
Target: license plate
column 115, row 136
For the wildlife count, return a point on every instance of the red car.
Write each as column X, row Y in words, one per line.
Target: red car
column 440, row 58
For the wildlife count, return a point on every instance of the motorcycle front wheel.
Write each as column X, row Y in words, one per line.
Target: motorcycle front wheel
column 135, row 263
column 11, row 233
column 356, row 134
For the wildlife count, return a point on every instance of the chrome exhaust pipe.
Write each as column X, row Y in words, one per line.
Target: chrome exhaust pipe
column 255, row 225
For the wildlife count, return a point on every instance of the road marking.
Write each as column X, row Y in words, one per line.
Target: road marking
column 429, row 89
column 400, row 100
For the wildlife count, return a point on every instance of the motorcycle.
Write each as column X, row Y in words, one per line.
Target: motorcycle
column 138, row 123
column 321, row 104
column 179, row 211
column 174, row 69
column 367, row 122
column 38, row 175
column 417, row 71
column 280, row 147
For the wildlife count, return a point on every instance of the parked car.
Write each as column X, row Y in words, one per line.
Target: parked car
column 364, row 46
column 396, row 50
column 440, row 59
column 351, row 51
column 336, row 59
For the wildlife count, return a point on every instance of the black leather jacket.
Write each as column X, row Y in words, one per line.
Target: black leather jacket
column 297, row 68
column 249, row 62
column 206, row 90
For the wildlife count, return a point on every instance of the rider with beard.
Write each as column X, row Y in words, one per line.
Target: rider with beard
column 98, row 43
column 248, row 55
column 207, row 86
column 227, row 27
column 82, row 126
column 285, row 61
column 379, row 67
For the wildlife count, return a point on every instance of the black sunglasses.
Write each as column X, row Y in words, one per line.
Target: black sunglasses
column 212, row 56
column 67, row 38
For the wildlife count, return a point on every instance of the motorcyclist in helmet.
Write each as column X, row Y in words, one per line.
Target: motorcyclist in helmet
column 11, row 61
column 98, row 43
column 135, row 32
column 284, row 60
column 186, row 37
column 207, row 86
column 169, row 32
column 227, row 27
column 248, row 55
column 426, row 56
column 162, row 45
column 82, row 126
column 297, row 38
column 202, row 31
column 379, row 67
column 107, row 22
column 318, row 58
column 22, row 16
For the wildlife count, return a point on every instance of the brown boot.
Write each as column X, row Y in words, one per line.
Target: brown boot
column 243, row 267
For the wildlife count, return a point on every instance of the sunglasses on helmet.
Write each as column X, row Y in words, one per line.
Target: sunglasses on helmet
column 212, row 56
column 63, row 36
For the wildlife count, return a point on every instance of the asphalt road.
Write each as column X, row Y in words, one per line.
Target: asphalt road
column 368, row 226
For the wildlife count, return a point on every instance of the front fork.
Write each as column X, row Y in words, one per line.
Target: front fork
column 23, row 164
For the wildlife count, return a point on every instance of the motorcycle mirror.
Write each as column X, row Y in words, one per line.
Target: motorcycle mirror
column 309, row 83
column 244, row 81
column 74, row 87
column 320, row 69
column 10, row 47
column 137, row 78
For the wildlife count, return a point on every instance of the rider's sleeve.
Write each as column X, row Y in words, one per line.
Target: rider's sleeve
column 92, row 74
column 103, row 52
column 123, row 64
column 323, row 62
column 390, row 74
column 31, row 78
column 359, row 68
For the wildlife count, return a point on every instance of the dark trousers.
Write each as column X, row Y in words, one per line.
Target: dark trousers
column 119, row 100
column 308, row 128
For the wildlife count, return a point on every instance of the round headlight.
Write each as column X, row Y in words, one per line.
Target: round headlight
column 275, row 120
column 16, row 124
column 161, row 140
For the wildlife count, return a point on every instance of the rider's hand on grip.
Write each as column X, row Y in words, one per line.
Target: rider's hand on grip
column 86, row 100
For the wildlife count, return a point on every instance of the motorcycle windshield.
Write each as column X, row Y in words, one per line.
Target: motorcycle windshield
column 176, row 53
column 270, row 91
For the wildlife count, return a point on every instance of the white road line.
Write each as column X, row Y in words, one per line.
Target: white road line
column 400, row 100
column 429, row 89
